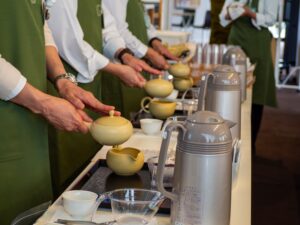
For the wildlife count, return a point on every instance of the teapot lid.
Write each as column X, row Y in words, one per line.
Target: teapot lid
column 111, row 120
column 205, row 117
column 225, row 75
column 234, row 52
column 158, row 81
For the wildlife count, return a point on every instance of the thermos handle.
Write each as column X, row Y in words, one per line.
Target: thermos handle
column 203, row 91
column 163, row 156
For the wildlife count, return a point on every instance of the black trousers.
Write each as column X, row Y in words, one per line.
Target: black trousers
column 256, row 117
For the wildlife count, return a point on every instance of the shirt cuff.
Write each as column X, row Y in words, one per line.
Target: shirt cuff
column 223, row 21
column 259, row 21
column 140, row 51
column 49, row 41
column 19, row 87
column 111, row 47
column 96, row 63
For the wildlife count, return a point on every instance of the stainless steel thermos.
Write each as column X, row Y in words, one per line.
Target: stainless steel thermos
column 201, row 192
column 224, row 96
column 236, row 57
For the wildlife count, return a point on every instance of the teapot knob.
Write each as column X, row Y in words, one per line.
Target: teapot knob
column 111, row 113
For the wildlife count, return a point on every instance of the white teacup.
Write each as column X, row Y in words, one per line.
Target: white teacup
column 151, row 126
column 79, row 203
column 173, row 95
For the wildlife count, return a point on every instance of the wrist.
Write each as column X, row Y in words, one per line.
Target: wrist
column 149, row 53
column 113, row 69
column 123, row 54
column 154, row 42
column 126, row 58
column 59, row 80
column 62, row 84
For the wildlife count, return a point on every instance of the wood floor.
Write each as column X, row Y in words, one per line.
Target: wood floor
column 276, row 169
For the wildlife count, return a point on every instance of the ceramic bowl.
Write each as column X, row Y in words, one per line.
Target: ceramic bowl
column 125, row 161
column 79, row 203
column 151, row 126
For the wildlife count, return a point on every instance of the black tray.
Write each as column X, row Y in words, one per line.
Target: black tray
column 100, row 179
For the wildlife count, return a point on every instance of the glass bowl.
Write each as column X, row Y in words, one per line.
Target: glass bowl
column 134, row 206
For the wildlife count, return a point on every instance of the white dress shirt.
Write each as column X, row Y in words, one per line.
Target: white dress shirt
column 112, row 39
column 265, row 17
column 118, row 8
column 69, row 38
column 12, row 81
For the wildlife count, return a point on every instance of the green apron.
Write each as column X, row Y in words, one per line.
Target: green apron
column 24, row 159
column 257, row 45
column 127, row 99
column 71, row 152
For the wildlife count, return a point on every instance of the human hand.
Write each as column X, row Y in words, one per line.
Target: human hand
column 81, row 98
column 248, row 12
column 157, row 59
column 59, row 112
column 63, row 115
column 129, row 76
column 158, row 46
column 139, row 65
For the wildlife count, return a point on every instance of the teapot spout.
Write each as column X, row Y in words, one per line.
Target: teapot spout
column 229, row 123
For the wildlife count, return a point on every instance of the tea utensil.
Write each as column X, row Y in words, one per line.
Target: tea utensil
column 81, row 222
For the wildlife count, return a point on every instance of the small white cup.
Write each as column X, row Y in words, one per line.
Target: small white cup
column 79, row 203
column 173, row 95
column 151, row 126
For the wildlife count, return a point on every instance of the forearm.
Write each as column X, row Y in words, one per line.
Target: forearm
column 32, row 99
column 249, row 13
column 54, row 64
column 112, row 68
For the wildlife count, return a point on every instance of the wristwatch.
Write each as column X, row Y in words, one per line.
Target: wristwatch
column 67, row 76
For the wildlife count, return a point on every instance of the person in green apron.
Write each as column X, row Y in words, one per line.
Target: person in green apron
column 250, row 31
column 70, row 153
column 136, row 30
column 24, row 157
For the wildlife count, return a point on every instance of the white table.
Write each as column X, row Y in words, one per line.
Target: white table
column 241, row 194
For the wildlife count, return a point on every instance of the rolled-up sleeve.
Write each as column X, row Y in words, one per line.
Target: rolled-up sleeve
column 69, row 38
column 222, row 16
column 267, row 14
column 118, row 10
column 49, row 41
column 12, row 81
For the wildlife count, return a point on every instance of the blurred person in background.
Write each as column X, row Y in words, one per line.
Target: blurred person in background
column 249, row 29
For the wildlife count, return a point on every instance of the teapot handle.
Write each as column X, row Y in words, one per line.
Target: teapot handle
column 163, row 156
column 203, row 91
column 143, row 105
